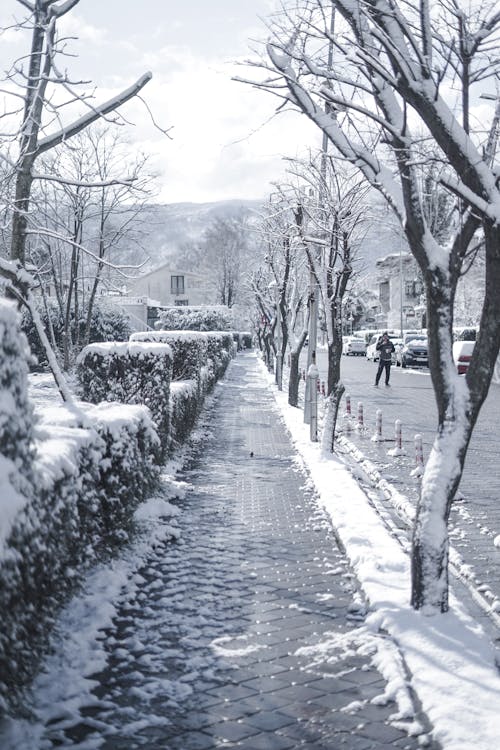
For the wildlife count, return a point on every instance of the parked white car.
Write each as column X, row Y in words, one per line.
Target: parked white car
column 371, row 351
column 354, row 346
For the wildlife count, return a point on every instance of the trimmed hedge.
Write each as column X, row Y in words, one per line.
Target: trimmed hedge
column 88, row 484
column 184, row 409
column 16, row 413
column 195, row 318
column 189, row 350
column 203, row 356
column 132, row 373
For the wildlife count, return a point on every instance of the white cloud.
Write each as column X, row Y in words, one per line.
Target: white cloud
column 221, row 147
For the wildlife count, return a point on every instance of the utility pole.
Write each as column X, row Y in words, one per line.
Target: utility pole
column 313, row 281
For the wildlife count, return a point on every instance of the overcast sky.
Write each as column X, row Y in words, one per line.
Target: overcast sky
column 220, row 146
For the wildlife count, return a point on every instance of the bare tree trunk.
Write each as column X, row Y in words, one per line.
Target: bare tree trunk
column 459, row 401
column 330, row 420
column 294, row 378
column 335, row 386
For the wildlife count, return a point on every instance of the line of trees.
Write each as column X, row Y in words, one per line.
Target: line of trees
column 376, row 78
column 67, row 198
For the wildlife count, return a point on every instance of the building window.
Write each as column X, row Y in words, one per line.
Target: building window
column 182, row 302
column 410, row 288
column 177, row 284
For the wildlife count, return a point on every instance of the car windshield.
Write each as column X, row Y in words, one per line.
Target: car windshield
column 415, row 337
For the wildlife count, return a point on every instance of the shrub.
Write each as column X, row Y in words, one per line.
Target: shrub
column 16, row 414
column 88, row 483
column 108, row 323
column 215, row 318
column 184, row 408
column 133, row 373
column 189, row 350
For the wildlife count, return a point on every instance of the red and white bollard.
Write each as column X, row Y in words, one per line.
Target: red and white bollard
column 361, row 420
column 398, row 449
column 419, row 457
column 318, row 386
column 348, row 425
column 378, row 427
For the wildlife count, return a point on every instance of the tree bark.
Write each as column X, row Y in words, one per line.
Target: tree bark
column 459, row 401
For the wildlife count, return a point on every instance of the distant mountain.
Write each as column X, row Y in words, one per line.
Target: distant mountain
column 166, row 227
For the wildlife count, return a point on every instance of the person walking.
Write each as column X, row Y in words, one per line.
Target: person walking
column 385, row 347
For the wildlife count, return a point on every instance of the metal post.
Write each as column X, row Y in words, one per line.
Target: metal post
column 419, row 457
column 398, row 435
column 279, row 368
column 311, row 349
column 312, row 379
column 361, row 420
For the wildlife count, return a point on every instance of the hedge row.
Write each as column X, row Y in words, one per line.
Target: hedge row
column 69, row 490
column 201, row 356
column 141, row 371
column 87, row 483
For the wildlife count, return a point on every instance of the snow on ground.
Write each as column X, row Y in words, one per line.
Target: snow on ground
column 450, row 658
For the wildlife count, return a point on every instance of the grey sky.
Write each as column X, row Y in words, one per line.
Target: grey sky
column 190, row 46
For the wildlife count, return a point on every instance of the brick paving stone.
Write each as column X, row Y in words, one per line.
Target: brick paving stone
column 268, row 741
column 212, row 636
column 270, row 720
column 381, row 732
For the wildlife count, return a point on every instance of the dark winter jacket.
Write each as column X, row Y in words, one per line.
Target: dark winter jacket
column 385, row 348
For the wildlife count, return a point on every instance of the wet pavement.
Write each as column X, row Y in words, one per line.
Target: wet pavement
column 248, row 630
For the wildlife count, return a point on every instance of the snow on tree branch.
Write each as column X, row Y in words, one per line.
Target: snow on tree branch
column 100, row 111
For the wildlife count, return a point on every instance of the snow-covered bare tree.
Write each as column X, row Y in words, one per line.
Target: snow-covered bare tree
column 222, row 254
column 93, row 203
column 286, row 262
column 390, row 87
column 331, row 222
column 38, row 93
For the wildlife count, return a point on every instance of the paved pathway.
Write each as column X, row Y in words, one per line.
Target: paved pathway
column 206, row 654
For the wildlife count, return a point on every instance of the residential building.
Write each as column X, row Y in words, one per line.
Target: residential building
column 171, row 286
column 401, row 292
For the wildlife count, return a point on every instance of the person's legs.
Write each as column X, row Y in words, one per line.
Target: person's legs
column 387, row 371
column 379, row 371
